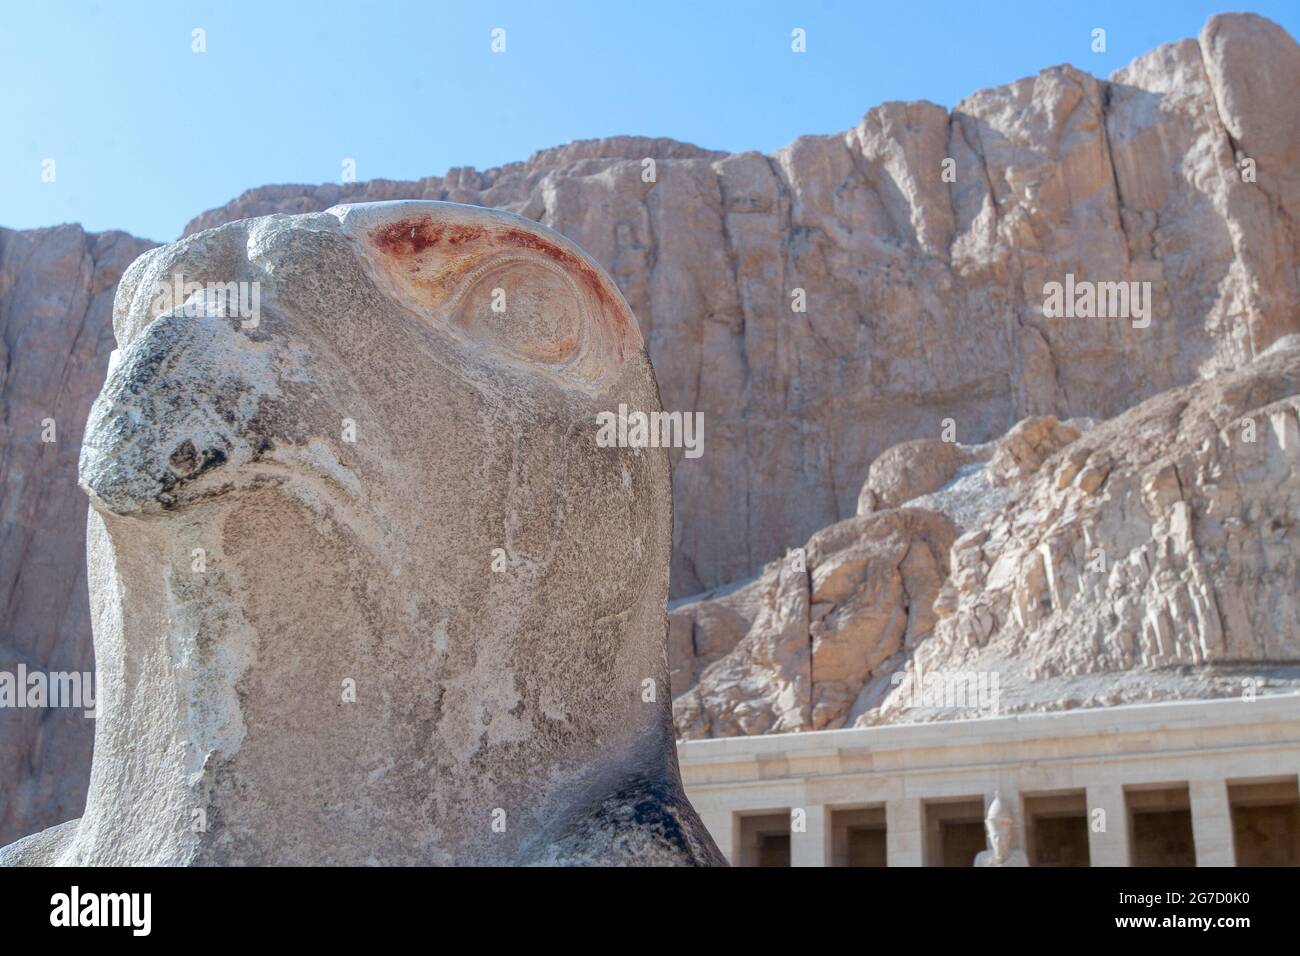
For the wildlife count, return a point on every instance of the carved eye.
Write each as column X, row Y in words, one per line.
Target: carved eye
column 499, row 282
column 527, row 307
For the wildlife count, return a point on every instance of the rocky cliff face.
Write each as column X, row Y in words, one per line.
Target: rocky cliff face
column 1150, row 557
column 56, row 299
column 820, row 306
column 1154, row 557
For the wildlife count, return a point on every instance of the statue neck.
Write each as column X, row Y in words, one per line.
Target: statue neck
column 279, row 719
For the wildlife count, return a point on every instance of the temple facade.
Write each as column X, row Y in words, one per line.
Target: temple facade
column 1189, row 783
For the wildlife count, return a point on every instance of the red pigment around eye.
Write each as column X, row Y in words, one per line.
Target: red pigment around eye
column 410, row 237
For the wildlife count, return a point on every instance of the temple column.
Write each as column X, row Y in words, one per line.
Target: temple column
column 1108, row 843
column 904, row 826
column 1211, row 823
column 812, row 846
column 721, row 826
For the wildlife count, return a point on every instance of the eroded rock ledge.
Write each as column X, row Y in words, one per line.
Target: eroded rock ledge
column 1150, row 557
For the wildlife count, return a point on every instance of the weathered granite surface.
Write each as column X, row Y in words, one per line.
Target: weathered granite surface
column 366, row 588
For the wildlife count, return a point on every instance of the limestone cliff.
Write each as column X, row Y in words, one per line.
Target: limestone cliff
column 1149, row 557
column 56, row 300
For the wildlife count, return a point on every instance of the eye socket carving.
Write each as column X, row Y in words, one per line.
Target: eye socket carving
column 531, row 309
column 499, row 282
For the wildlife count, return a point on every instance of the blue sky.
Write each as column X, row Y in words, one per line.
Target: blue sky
column 145, row 133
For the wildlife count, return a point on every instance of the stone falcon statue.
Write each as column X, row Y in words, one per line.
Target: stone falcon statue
column 365, row 588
